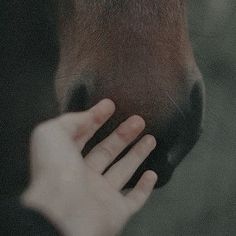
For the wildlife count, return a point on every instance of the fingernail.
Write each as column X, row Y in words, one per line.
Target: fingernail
column 151, row 176
column 151, row 141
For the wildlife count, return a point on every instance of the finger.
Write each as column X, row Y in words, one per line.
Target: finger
column 119, row 174
column 106, row 151
column 137, row 197
column 82, row 126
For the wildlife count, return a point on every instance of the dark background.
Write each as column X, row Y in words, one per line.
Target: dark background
column 28, row 59
column 201, row 197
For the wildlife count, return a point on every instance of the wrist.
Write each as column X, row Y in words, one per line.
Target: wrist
column 32, row 199
column 50, row 208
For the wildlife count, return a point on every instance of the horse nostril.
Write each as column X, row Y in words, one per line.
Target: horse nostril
column 77, row 99
column 79, row 93
column 197, row 104
column 191, row 129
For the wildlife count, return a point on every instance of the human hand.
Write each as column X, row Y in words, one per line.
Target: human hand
column 71, row 190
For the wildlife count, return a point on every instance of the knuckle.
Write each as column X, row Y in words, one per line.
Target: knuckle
column 139, row 149
column 105, row 151
column 144, row 146
column 123, row 137
column 95, row 117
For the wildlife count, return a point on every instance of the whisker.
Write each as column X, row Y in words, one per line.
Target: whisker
column 176, row 105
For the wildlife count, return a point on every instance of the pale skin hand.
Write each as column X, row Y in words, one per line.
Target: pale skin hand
column 70, row 190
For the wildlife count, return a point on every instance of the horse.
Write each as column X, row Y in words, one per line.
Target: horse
column 138, row 54
column 135, row 52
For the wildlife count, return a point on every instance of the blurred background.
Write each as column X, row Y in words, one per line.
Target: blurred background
column 201, row 197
